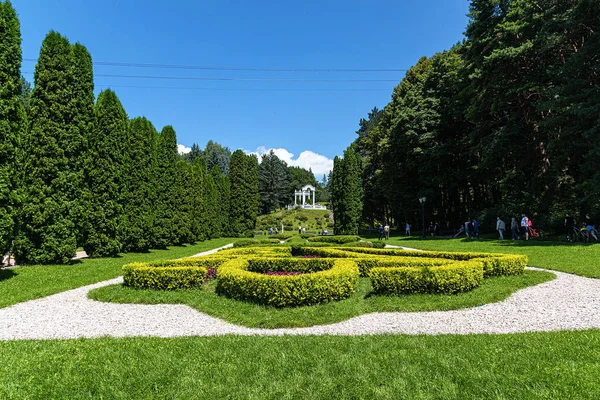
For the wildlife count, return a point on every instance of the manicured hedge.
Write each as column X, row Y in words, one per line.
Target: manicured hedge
column 460, row 276
column 242, row 279
column 166, row 275
column 334, row 239
column 494, row 264
column 255, row 242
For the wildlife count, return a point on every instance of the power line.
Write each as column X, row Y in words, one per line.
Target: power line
column 234, row 68
column 242, row 89
column 192, row 78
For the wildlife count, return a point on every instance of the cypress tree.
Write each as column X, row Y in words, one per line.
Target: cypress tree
column 223, row 194
column 347, row 193
column 104, row 177
column 80, row 127
column 243, row 177
column 12, row 119
column 138, row 227
column 199, row 223
column 183, row 214
column 48, row 233
column 211, row 207
column 166, row 196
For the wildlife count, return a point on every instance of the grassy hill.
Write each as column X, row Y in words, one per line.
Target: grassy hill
column 312, row 220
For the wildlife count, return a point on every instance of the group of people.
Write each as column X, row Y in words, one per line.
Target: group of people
column 588, row 227
column 525, row 227
column 384, row 232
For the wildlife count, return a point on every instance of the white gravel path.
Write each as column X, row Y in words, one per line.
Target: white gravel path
column 569, row 302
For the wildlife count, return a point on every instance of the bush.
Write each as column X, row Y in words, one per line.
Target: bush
column 334, row 239
column 248, row 234
column 378, row 244
column 255, row 242
column 358, row 244
column 281, row 236
column 324, row 280
column 457, row 277
column 166, row 275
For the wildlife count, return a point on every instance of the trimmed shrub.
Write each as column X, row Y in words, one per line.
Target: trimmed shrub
column 358, row 244
column 281, row 236
column 334, row 239
column 255, row 242
column 334, row 280
column 457, row 277
column 167, row 275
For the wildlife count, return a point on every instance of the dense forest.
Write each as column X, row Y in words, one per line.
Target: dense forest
column 504, row 123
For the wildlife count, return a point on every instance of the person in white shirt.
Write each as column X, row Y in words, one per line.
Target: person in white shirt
column 500, row 227
column 525, row 226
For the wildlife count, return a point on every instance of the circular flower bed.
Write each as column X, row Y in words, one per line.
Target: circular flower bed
column 319, row 280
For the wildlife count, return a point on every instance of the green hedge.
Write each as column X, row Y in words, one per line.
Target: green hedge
column 255, row 242
column 452, row 278
column 334, row 239
column 144, row 277
column 336, row 280
column 368, row 245
column 281, row 236
column 494, row 264
column 173, row 274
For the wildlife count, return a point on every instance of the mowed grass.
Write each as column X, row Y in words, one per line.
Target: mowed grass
column 362, row 302
column 575, row 258
column 559, row 365
column 32, row 282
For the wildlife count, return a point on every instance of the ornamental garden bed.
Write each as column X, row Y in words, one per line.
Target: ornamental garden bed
column 275, row 276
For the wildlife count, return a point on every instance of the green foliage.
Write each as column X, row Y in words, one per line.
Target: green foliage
column 217, row 156
column 167, row 201
column 199, row 219
column 12, row 120
column 211, row 207
column 243, row 177
column 223, row 193
column 346, row 193
column 143, row 277
column 104, row 177
column 273, row 183
column 51, row 147
column 455, row 278
column 140, row 196
column 236, row 280
column 254, row 242
column 184, row 213
column 334, row 239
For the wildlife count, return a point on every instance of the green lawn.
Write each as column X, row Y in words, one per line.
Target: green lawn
column 32, row 282
column 362, row 302
column 576, row 258
column 561, row 365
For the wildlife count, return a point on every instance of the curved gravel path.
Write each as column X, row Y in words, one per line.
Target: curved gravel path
column 568, row 302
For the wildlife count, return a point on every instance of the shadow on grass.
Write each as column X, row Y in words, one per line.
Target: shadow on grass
column 506, row 242
column 7, row 274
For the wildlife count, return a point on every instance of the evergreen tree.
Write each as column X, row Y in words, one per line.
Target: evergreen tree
column 166, row 198
column 105, row 176
column 243, row 177
column 273, row 183
column 223, row 197
column 194, row 153
column 347, row 193
column 138, row 232
column 183, row 214
column 211, row 208
column 12, row 119
column 199, row 220
column 217, row 156
column 80, row 126
column 48, row 233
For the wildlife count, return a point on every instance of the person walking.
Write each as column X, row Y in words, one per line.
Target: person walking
column 476, row 228
column 386, row 230
column 432, row 229
column 569, row 226
column 468, row 231
column 525, row 226
column 407, row 229
column 500, row 227
column 514, row 227
column 590, row 228
column 380, row 229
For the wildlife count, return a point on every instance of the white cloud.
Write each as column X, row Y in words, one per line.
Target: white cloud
column 319, row 164
column 181, row 149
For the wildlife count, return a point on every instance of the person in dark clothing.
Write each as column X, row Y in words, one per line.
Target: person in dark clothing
column 569, row 225
column 380, row 229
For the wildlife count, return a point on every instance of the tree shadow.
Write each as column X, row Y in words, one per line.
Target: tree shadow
column 6, row 274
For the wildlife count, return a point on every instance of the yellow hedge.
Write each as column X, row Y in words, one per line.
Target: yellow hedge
column 243, row 279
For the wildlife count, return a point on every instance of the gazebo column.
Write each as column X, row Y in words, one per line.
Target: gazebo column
column 314, row 191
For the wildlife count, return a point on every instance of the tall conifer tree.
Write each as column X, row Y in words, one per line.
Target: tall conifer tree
column 104, row 177
column 139, row 234
column 12, row 119
column 243, row 177
column 199, row 221
column 166, row 196
column 48, row 233
column 183, row 214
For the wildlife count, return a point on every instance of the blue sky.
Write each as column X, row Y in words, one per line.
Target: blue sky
column 292, row 111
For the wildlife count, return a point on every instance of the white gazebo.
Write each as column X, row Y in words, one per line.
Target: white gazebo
column 302, row 198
